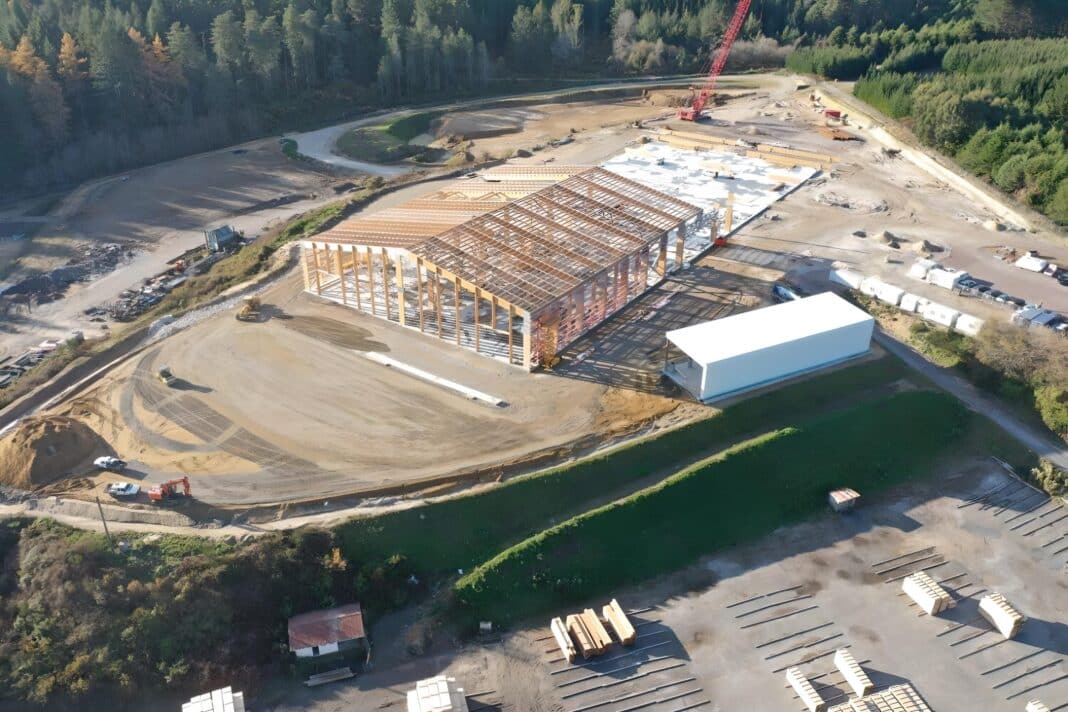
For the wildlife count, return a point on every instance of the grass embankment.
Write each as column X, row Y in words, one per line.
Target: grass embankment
column 388, row 142
column 733, row 497
column 464, row 531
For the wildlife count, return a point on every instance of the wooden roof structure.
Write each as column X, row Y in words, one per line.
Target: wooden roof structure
column 534, row 250
column 413, row 222
column 530, row 237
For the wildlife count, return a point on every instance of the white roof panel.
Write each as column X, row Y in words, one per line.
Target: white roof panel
column 759, row 329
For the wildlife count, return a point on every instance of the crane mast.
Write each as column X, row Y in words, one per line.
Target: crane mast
column 702, row 97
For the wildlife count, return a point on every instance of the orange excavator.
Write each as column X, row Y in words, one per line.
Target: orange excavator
column 167, row 491
column 701, row 97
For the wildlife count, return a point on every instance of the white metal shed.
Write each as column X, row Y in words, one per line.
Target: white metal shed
column 758, row 347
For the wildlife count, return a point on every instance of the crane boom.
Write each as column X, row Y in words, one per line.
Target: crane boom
column 700, row 98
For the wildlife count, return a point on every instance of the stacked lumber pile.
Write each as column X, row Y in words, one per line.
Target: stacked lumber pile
column 805, row 691
column 584, row 641
column 597, row 630
column 613, row 613
column 585, row 633
column 927, row 594
column 852, row 672
column 567, row 646
column 1001, row 615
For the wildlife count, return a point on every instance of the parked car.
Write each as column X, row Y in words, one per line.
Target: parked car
column 983, row 289
column 1016, row 300
column 110, row 463
column 166, row 376
column 968, row 283
column 121, row 490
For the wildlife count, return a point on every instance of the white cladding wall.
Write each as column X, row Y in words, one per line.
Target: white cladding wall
column 779, row 361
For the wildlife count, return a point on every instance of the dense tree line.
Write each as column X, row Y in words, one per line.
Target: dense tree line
column 999, row 106
column 94, row 86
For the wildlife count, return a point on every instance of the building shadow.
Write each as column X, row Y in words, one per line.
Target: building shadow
column 629, row 349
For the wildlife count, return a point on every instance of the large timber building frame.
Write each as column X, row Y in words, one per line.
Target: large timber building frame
column 516, row 264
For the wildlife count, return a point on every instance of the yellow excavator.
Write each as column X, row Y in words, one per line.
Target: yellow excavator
column 250, row 309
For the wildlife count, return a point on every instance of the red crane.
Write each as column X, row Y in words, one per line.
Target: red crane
column 700, row 98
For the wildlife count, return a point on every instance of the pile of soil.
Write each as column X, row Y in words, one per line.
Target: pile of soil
column 667, row 98
column 924, row 246
column 45, row 448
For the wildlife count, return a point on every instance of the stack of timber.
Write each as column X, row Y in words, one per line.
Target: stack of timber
column 567, row 647
column 1001, row 614
column 613, row 613
column 805, row 691
column 852, row 672
column 597, row 630
column 1036, row 706
column 584, row 640
column 927, row 594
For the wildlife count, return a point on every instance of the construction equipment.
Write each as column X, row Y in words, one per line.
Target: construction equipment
column 165, row 375
column 250, row 309
column 719, row 60
column 168, row 491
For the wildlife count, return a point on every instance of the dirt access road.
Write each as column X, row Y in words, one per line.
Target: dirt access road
column 320, row 145
column 158, row 212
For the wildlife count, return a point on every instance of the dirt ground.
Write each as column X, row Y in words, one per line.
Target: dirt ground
column 724, row 631
column 158, row 212
column 289, row 409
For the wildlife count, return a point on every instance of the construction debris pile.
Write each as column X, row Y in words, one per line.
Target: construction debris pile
column 132, row 303
column 93, row 260
column 585, row 633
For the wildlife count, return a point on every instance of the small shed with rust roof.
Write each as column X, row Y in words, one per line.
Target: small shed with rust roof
column 328, row 631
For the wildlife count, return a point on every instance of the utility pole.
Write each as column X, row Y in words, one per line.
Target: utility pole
column 105, row 522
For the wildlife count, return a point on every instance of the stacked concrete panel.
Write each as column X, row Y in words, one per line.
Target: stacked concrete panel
column 805, row 691
column 1001, row 614
column 927, row 594
column 617, row 618
column 852, row 672
column 567, row 646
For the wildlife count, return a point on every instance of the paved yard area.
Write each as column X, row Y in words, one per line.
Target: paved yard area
column 720, row 635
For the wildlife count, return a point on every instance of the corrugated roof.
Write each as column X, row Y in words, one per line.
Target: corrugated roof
column 717, row 340
column 330, row 625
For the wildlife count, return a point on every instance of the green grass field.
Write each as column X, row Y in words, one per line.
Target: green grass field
column 462, row 532
column 386, row 143
column 733, row 497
